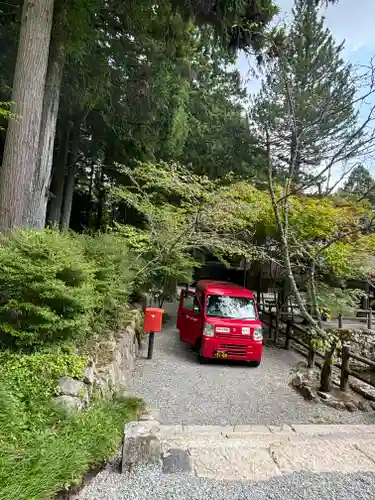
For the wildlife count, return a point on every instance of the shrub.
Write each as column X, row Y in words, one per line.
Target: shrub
column 53, row 288
column 47, row 289
column 34, row 378
column 39, row 464
column 44, row 449
column 115, row 267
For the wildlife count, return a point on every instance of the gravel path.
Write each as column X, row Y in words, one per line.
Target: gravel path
column 152, row 483
column 221, row 393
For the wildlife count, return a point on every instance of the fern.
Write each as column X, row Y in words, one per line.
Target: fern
column 6, row 112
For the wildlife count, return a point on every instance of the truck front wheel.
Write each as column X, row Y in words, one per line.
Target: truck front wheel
column 254, row 364
column 198, row 350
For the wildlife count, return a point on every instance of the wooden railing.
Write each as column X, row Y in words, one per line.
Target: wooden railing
column 365, row 314
column 294, row 331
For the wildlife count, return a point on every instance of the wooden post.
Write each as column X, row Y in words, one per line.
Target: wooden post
column 288, row 337
column 325, row 375
column 291, row 306
column 259, row 287
column 344, row 379
column 311, row 357
column 340, row 320
column 275, row 331
column 368, row 308
column 369, row 318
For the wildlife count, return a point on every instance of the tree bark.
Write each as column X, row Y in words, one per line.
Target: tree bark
column 37, row 207
column 58, row 180
column 314, row 303
column 70, row 176
column 68, row 197
column 282, row 226
column 21, row 149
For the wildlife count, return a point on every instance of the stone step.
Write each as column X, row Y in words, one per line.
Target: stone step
column 250, row 452
column 317, row 429
column 249, row 437
column 250, row 432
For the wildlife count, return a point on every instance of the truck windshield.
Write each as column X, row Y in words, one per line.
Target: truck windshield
column 223, row 306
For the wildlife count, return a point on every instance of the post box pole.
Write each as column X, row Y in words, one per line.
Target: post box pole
column 151, row 338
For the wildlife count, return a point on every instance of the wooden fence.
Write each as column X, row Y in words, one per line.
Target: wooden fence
column 365, row 314
column 291, row 331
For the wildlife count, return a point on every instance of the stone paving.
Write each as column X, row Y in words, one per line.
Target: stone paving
column 227, row 432
column 257, row 453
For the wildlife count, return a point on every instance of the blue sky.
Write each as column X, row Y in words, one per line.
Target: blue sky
column 350, row 22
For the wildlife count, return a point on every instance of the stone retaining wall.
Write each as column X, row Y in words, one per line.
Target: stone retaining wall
column 110, row 368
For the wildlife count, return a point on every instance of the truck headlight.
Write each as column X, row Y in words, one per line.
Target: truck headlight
column 258, row 333
column 208, row 330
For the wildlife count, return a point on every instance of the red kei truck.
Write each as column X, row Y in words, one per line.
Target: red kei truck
column 221, row 320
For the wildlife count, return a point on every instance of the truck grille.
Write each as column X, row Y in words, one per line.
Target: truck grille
column 234, row 350
column 230, row 335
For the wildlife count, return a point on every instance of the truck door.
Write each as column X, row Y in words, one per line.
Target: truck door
column 189, row 320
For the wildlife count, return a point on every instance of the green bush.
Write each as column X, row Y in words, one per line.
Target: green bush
column 54, row 288
column 37, row 465
column 44, row 449
column 115, row 267
column 33, row 378
column 47, row 289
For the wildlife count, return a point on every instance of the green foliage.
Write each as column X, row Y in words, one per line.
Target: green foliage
column 57, row 287
column 70, row 283
column 359, row 181
column 47, row 289
column 115, row 267
column 217, row 136
column 182, row 211
column 43, row 448
column 33, row 379
column 322, row 218
column 166, row 91
column 337, row 300
column 40, row 463
column 6, row 113
column 165, row 258
column 239, row 24
column 352, row 259
column 167, row 197
column 360, row 185
column 306, row 102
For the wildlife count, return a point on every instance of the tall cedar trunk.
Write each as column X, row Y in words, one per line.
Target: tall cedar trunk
column 58, row 180
column 37, row 207
column 21, row 150
column 70, row 176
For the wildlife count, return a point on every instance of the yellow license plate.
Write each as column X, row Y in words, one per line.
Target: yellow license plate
column 220, row 354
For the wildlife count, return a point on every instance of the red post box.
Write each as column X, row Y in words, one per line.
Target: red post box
column 153, row 319
column 152, row 324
